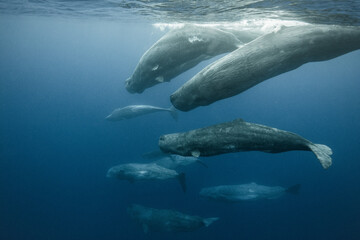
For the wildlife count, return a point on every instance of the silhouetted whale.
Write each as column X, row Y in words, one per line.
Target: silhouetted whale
column 245, row 192
column 263, row 58
column 237, row 136
column 165, row 220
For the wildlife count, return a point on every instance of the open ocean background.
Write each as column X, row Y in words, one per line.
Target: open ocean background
column 62, row 70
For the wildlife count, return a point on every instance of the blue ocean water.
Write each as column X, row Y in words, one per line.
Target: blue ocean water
column 60, row 77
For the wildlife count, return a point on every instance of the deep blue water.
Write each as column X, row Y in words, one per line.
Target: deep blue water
column 60, row 77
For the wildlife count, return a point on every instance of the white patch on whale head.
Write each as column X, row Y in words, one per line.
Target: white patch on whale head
column 155, row 68
column 195, row 39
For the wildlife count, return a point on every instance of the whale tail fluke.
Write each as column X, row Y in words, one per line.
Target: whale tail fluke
column 322, row 153
column 173, row 112
column 181, row 178
column 208, row 221
column 293, row 189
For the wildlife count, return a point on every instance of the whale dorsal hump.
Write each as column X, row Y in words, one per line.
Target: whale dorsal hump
column 239, row 120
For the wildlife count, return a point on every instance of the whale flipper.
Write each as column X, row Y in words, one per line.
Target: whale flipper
column 208, row 221
column 181, row 178
column 173, row 113
column 322, row 152
column 202, row 163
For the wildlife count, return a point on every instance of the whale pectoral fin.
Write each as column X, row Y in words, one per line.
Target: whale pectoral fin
column 182, row 181
column 208, row 221
column 145, row 228
column 202, row 163
column 195, row 153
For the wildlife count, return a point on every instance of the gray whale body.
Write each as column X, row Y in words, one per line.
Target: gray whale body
column 237, row 136
column 133, row 111
column 263, row 58
column 145, row 171
column 246, row 192
column 177, row 51
column 166, row 220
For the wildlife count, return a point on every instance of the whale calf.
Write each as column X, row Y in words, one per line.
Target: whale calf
column 237, row 136
column 165, row 220
column 263, row 58
column 133, row 111
column 177, row 51
column 245, row 192
column 173, row 161
column 145, row 171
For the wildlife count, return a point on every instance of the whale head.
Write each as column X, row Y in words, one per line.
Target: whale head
column 206, row 193
column 170, row 144
column 129, row 85
column 116, row 172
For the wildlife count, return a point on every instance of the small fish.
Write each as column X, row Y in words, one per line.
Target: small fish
column 133, row 111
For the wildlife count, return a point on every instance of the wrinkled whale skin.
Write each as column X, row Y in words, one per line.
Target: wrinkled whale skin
column 177, row 51
column 237, row 136
column 263, row 58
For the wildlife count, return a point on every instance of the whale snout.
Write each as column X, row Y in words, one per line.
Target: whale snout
column 203, row 193
column 129, row 85
column 109, row 174
column 163, row 144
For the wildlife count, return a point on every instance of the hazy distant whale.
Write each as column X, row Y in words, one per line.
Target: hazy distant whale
column 165, row 220
column 171, row 161
column 237, row 136
column 263, row 58
column 142, row 171
column 174, row 161
column 245, row 192
column 133, row 111
column 178, row 51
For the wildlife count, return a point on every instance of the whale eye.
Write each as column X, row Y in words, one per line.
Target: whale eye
column 162, row 138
